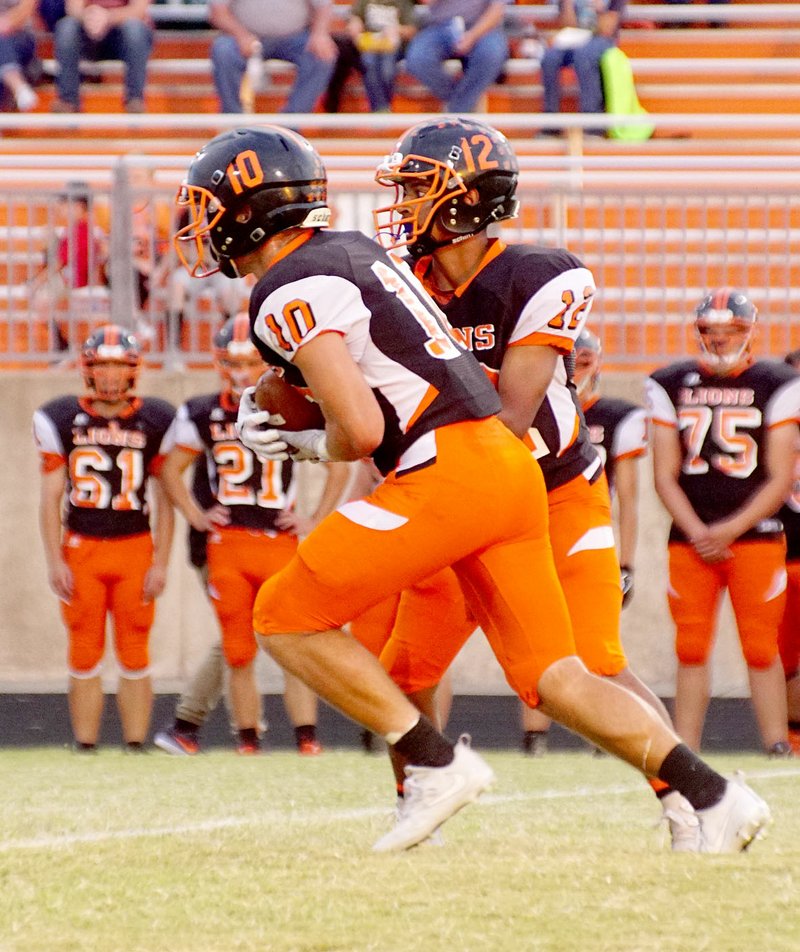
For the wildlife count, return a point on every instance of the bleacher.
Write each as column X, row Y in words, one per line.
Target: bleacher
column 708, row 199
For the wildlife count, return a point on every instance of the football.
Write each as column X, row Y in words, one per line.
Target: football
column 277, row 396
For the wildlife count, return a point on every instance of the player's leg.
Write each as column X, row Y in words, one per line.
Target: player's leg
column 373, row 628
column 85, row 619
column 200, row 697
column 128, row 562
column 232, row 592
column 757, row 586
column 302, row 706
column 789, row 645
column 695, row 587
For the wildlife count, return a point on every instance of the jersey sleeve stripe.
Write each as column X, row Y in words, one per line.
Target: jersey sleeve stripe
column 431, row 394
column 563, row 345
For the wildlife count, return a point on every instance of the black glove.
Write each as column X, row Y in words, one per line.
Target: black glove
column 626, row 581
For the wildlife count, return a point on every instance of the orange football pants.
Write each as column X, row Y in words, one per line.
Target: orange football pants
column 239, row 562
column 108, row 576
column 789, row 628
column 494, row 534
column 432, row 622
column 755, row 577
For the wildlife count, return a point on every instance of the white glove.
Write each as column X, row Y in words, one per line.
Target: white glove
column 311, row 445
column 250, row 422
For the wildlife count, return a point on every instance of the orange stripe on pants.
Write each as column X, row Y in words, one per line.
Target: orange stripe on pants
column 494, row 534
column 755, row 579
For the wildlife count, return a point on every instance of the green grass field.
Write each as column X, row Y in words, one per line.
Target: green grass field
column 216, row 853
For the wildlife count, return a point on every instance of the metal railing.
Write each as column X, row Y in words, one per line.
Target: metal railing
column 657, row 232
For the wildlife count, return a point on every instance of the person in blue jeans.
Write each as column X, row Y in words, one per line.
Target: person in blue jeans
column 17, row 53
column 102, row 29
column 468, row 30
column 588, row 29
column 272, row 29
column 380, row 30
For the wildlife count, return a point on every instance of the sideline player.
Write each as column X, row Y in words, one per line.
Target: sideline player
column 350, row 322
column 789, row 630
column 618, row 429
column 519, row 310
column 252, row 534
column 99, row 453
column 724, row 441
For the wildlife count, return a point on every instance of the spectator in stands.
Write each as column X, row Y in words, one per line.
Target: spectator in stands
column 17, row 51
column 102, row 29
column 380, row 30
column 272, row 29
column 468, row 30
column 587, row 29
column 51, row 11
column 348, row 59
column 74, row 259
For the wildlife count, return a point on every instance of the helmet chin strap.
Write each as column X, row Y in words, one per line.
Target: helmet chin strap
column 228, row 267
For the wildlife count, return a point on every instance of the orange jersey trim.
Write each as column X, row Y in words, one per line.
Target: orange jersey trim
column 425, row 402
column 156, row 464
column 563, row 345
column 631, row 455
column 85, row 404
column 774, row 426
column 50, row 462
column 291, row 246
column 670, row 426
column 592, row 400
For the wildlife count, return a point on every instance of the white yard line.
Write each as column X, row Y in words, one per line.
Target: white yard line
column 324, row 816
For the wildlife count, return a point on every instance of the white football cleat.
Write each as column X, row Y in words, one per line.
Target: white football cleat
column 740, row 817
column 683, row 822
column 434, row 794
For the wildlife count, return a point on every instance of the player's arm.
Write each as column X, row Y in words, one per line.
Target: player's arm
column 163, row 531
column 667, row 461
column 354, row 420
column 525, row 375
column 336, row 482
column 780, row 447
column 175, row 464
column 626, row 471
column 50, row 500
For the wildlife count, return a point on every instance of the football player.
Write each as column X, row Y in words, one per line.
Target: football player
column 519, row 309
column 724, row 439
column 618, row 428
column 350, row 322
column 789, row 631
column 98, row 454
column 252, row 533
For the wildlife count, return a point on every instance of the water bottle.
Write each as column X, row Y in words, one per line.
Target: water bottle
column 255, row 67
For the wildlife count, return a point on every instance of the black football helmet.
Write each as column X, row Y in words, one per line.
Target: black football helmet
column 242, row 188
column 725, row 323
column 434, row 168
column 235, row 355
column 588, row 354
column 110, row 362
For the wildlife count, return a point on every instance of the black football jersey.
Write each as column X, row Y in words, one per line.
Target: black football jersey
column 345, row 283
column 790, row 517
column 524, row 294
column 618, row 429
column 255, row 492
column 108, row 461
column 722, row 422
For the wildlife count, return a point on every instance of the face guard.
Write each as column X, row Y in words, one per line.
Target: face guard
column 725, row 324
column 586, row 373
column 193, row 241
column 725, row 341
column 422, row 187
column 239, row 366
column 110, row 362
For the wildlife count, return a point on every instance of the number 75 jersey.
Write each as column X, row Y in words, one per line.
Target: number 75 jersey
column 723, row 424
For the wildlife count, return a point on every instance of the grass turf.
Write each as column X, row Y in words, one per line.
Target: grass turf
column 116, row 853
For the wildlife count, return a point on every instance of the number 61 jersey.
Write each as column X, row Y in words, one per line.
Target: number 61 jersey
column 723, row 422
column 108, row 461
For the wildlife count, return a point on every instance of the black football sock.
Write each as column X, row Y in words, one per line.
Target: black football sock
column 424, row 746
column 249, row 735
column 684, row 771
column 185, row 727
column 794, row 725
column 305, row 732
